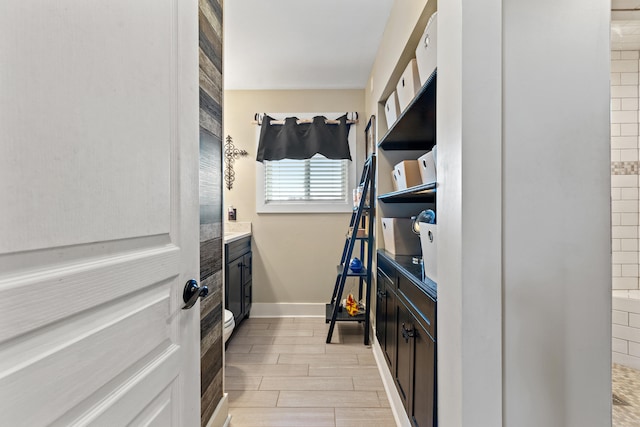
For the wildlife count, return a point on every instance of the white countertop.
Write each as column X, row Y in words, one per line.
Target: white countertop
column 232, row 236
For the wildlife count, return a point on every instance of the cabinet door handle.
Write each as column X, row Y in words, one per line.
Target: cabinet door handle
column 407, row 333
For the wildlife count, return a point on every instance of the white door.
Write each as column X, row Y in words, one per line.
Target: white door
column 98, row 212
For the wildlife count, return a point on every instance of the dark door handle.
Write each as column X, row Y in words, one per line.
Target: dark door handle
column 407, row 333
column 192, row 292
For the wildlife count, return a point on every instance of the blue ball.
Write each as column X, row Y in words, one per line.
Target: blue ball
column 356, row 264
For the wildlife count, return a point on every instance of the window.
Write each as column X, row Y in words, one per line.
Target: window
column 313, row 185
column 315, row 180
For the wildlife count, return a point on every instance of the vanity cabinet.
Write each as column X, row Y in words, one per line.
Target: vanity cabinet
column 238, row 278
column 405, row 329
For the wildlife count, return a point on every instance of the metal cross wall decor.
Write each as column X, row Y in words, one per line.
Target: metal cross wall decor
column 231, row 153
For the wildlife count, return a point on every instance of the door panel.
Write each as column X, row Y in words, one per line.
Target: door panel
column 157, row 413
column 404, row 357
column 126, row 403
column 99, row 224
column 84, row 92
column 234, row 291
column 381, row 309
column 82, row 285
column 391, row 327
column 423, row 379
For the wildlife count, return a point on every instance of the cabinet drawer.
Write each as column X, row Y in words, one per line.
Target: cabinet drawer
column 238, row 248
column 420, row 302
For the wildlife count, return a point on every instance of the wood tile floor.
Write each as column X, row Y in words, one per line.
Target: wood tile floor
column 281, row 373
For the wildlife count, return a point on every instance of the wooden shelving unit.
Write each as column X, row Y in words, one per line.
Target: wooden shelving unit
column 417, row 194
column 415, row 128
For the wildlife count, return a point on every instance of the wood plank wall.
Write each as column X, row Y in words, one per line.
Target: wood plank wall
column 210, row 29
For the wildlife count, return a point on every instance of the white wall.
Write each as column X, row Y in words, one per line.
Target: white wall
column 556, row 228
column 551, row 295
column 469, row 204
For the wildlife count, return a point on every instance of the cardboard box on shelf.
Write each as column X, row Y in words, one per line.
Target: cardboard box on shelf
column 406, row 174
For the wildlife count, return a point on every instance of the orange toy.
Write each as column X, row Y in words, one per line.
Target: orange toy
column 351, row 305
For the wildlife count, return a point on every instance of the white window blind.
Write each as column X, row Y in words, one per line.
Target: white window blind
column 315, row 180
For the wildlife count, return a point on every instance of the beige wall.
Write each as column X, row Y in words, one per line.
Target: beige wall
column 398, row 45
column 294, row 255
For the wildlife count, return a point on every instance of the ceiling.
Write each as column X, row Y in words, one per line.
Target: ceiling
column 331, row 44
column 301, row 44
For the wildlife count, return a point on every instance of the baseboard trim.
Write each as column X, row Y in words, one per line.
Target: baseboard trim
column 221, row 417
column 626, row 360
column 399, row 414
column 286, row 309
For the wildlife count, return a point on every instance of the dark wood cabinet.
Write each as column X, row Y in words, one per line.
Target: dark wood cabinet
column 238, row 278
column 385, row 315
column 405, row 329
column 423, row 413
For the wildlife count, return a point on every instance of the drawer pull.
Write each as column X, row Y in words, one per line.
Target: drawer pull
column 407, row 333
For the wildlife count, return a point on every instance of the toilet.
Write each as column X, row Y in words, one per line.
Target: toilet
column 229, row 324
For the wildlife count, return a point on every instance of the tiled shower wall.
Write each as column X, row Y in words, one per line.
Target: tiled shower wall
column 625, row 205
column 624, row 170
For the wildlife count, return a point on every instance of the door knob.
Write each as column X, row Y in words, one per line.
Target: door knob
column 192, row 292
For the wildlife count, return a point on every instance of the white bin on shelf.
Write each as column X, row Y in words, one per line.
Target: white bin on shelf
column 408, row 85
column 407, row 174
column 391, row 109
column 398, row 237
column 429, row 244
column 427, row 165
column 394, row 180
column 426, row 52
